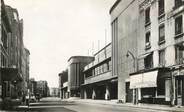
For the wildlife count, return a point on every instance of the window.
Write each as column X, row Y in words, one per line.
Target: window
column 162, row 57
column 178, row 25
column 179, row 50
column 147, row 16
column 147, row 40
column 148, row 61
column 148, row 37
column 178, row 3
column 161, row 33
column 161, row 7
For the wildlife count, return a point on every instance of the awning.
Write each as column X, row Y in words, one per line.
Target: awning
column 144, row 80
column 10, row 74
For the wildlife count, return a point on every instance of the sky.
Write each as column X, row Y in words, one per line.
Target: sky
column 55, row 30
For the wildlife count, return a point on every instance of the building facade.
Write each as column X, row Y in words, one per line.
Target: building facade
column 11, row 53
column 99, row 82
column 63, row 84
column 42, row 88
column 54, row 92
column 152, row 45
column 75, row 74
column 32, row 86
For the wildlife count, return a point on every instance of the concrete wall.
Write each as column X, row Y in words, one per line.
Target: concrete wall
column 127, row 15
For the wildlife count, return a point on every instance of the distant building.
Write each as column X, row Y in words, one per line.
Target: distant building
column 33, row 86
column 54, row 92
column 75, row 74
column 99, row 82
column 42, row 88
column 63, row 84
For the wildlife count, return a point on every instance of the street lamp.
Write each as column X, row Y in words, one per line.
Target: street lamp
column 134, row 59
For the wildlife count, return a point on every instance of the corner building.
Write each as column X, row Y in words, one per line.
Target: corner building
column 151, row 31
column 99, row 82
column 75, row 74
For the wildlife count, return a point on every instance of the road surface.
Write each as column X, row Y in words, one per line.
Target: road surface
column 56, row 105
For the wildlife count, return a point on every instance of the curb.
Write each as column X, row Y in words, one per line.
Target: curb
column 175, row 109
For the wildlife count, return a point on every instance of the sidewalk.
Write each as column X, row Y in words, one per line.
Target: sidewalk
column 115, row 102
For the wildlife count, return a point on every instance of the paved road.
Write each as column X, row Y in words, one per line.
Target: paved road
column 56, row 105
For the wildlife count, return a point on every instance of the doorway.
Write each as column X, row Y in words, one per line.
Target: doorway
column 180, row 90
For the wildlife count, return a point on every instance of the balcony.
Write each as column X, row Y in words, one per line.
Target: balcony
column 98, row 78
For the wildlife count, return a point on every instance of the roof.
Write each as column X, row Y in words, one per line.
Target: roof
column 114, row 5
column 79, row 57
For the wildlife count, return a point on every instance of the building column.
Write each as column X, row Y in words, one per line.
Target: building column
column 85, row 94
column 61, row 94
column 107, row 93
column 94, row 94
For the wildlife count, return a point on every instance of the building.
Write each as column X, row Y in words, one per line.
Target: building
column 63, row 84
column 99, row 82
column 32, row 86
column 12, row 81
column 75, row 74
column 124, row 23
column 147, row 50
column 42, row 88
column 54, row 92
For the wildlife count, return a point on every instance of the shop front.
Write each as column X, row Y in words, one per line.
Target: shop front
column 151, row 86
column 10, row 81
column 178, row 79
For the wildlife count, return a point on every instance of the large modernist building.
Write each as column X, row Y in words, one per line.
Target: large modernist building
column 147, row 50
column 75, row 74
column 99, row 82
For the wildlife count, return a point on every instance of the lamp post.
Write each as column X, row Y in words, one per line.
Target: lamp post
column 134, row 59
column 135, row 91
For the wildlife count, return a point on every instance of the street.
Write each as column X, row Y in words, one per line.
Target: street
column 56, row 105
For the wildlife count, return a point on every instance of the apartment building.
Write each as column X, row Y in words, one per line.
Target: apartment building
column 150, row 32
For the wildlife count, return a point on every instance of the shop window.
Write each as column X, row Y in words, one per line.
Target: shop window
column 147, row 16
column 148, row 61
column 161, row 7
column 161, row 33
column 147, row 92
column 178, row 25
column 162, row 58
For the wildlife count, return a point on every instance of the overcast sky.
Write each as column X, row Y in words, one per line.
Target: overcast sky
column 55, row 30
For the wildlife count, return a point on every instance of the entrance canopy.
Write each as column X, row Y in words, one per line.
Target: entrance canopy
column 144, row 80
